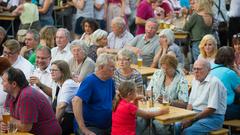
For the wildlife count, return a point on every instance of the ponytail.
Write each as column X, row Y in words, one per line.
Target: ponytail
column 116, row 101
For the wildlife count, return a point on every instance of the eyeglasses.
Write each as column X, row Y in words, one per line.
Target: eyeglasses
column 6, row 53
column 54, row 70
column 123, row 59
column 42, row 58
column 197, row 69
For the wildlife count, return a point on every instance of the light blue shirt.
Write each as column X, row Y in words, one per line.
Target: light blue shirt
column 229, row 78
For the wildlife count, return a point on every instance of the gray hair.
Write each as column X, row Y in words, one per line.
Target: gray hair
column 120, row 22
column 103, row 59
column 35, row 34
column 153, row 20
column 169, row 35
column 98, row 34
column 80, row 43
column 66, row 33
column 127, row 53
column 206, row 64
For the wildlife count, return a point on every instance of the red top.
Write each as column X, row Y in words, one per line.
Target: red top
column 144, row 11
column 31, row 106
column 114, row 1
column 167, row 7
column 124, row 119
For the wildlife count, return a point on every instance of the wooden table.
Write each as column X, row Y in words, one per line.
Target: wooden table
column 7, row 16
column 144, row 71
column 176, row 114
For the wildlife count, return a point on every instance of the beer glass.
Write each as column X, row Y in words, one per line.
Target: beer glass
column 165, row 99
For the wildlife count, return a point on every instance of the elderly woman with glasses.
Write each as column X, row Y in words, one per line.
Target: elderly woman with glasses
column 168, row 82
column 63, row 90
column 124, row 72
column 208, row 48
column 80, row 65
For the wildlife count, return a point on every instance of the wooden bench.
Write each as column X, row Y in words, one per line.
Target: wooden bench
column 232, row 123
column 222, row 131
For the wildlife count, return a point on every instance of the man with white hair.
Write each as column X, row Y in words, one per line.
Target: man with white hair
column 62, row 50
column 119, row 36
column 210, row 106
column 92, row 105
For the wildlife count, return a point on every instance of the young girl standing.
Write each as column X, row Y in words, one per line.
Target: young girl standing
column 125, row 110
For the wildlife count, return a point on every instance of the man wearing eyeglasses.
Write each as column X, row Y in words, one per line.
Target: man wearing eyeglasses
column 208, row 99
column 11, row 50
column 41, row 77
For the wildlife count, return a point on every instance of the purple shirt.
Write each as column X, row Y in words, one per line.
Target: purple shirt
column 144, row 11
column 31, row 106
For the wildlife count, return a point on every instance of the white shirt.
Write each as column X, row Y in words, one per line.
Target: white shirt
column 45, row 78
column 66, row 93
column 3, row 94
column 234, row 8
column 24, row 65
column 64, row 54
column 115, row 42
column 99, row 14
column 209, row 93
column 223, row 9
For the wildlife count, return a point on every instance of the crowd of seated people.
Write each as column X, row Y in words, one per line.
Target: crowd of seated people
column 88, row 84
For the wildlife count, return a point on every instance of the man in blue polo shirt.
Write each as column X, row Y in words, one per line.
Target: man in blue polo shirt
column 92, row 105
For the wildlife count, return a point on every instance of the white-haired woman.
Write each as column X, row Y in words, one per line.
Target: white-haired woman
column 167, row 46
column 99, row 40
column 80, row 65
column 125, row 72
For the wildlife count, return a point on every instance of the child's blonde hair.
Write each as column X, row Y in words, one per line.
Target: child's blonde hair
column 124, row 89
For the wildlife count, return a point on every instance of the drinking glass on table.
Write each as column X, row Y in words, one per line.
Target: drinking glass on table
column 165, row 99
column 5, row 113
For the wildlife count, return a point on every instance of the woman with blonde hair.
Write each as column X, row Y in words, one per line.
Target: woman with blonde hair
column 47, row 36
column 199, row 24
column 208, row 48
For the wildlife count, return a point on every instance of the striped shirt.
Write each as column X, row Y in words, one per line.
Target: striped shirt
column 135, row 77
column 32, row 107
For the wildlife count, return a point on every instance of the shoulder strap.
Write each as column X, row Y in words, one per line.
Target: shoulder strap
column 217, row 67
column 219, row 10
